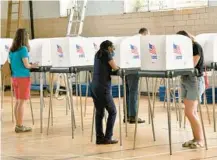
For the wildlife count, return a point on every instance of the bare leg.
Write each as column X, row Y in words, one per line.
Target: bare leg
column 20, row 112
column 15, row 110
column 192, row 115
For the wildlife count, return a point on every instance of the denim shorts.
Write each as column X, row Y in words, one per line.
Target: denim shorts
column 190, row 88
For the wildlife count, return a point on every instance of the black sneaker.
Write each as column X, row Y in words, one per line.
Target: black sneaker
column 106, row 141
column 100, row 141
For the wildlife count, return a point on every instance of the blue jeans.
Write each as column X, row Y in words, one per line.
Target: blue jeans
column 132, row 85
column 103, row 99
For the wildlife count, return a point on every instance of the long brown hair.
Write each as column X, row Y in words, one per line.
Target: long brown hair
column 20, row 39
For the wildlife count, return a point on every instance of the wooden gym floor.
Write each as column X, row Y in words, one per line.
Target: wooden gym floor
column 59, row 145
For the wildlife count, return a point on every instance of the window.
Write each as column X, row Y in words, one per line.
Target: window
column 191, row 3
column 64, row 5
column 154, row 5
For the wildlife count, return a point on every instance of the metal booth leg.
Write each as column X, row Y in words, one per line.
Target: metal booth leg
column 150, row 110
column 72, row 102
column 165, row 93
column 213, row 99
column 207, row 108
column 149, row 117
column 67, row 93
column 30, row 103
column 87, row 90
column 51, row 101
column 93, row 122
column 94, row 111
column 41, row 101
column 180, row 105
column 125, row 103
column 119, row 107
column 137, row 113
column 201, row 116
column 69, row 84
column 82, row 120
column 154, row 94
column 76, row 89
column 169, row 113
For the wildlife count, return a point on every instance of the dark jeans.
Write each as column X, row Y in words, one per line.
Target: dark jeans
column 103, row 99
column 132, row 85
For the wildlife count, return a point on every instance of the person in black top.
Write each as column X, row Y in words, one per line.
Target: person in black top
column 190, row 94
column 101, row 92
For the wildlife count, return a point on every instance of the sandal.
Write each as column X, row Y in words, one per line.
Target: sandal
column 196, row 145
column 188, row 143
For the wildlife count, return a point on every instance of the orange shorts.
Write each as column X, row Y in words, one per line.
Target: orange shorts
column 21, row 87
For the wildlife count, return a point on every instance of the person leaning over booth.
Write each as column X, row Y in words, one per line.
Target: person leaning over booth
column 20, row 68
column 101, row 92
column 132, row 84
column 190, row 94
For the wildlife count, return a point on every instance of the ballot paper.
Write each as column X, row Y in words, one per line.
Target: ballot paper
column 166, row 52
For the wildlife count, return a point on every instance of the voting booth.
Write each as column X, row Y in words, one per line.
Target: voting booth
column 5, row 45
column 72, row 52
column 127, row 52
column 40, row 52
column 209, row 45
column 166, row 52
column 96, row 41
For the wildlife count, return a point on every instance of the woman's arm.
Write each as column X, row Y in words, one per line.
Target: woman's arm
column 113, row 65
column 25, row 59
column 196, row 59
column 28, row 65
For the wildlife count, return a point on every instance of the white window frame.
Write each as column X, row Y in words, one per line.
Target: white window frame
column 64, row 6
column 130, row 5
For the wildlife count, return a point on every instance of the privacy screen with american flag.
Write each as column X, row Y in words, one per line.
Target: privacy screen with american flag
column 152, row 49
column 59, row 51
column 134, row 51
column 95, row 46
column 176, row 49
column 6, row 48
column 80, row 50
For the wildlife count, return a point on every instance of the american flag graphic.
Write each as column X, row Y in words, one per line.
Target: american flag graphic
column 59, row 51
column 134, row 49
column 176, row 49
column 79, row 49
column 6, row 48
column 152, row 49
column 95, row 46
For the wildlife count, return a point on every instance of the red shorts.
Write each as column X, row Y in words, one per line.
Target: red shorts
column 22, row 88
